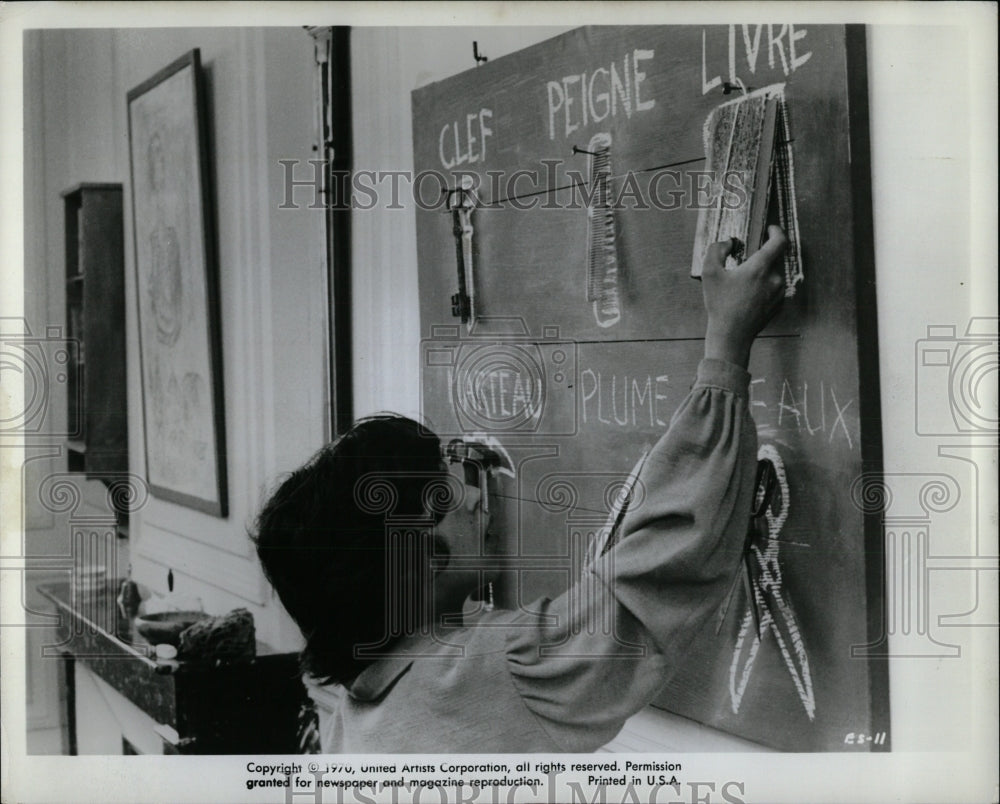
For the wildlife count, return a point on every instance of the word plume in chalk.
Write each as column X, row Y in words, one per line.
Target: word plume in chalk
column 750, row 136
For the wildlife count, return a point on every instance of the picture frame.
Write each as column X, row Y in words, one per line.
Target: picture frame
column 176, row 274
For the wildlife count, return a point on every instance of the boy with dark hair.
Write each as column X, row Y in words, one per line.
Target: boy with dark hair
column 357, row 543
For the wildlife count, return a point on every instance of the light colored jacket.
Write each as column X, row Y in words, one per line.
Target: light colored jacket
column 567, row 678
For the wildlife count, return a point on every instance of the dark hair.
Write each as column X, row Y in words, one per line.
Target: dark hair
column 323, row 540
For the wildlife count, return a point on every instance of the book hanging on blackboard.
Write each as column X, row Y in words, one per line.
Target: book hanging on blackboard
column 748, row 145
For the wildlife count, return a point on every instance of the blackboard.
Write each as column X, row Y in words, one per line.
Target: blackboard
column 574, row 394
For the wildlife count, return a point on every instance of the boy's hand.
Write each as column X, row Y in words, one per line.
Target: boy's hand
column 741, row 301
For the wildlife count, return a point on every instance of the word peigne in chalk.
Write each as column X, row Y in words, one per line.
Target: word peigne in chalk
column 586, row 98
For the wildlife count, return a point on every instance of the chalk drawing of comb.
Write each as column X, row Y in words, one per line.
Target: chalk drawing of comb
column 602, row 253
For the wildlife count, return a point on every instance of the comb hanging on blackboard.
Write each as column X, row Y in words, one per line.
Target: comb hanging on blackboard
column 748, row 140
column 602, row 251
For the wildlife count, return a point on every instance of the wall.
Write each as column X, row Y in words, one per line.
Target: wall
column 934, row 168
column 261, row 109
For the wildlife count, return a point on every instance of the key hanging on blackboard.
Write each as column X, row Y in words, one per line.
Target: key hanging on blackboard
column 462, row 204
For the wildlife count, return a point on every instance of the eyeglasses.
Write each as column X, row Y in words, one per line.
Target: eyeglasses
column 477, row 461
column 459, row 449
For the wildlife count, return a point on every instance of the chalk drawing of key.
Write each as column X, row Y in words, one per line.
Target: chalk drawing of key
column 776, row 614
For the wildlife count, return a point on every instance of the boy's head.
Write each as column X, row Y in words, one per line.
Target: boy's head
column 326, row 536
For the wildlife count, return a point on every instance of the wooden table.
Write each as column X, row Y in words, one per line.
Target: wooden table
column 200, row 706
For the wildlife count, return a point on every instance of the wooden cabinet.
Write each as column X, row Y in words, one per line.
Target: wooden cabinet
column 95, row 322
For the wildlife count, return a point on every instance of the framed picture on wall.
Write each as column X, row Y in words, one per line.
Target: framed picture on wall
column 177, row 287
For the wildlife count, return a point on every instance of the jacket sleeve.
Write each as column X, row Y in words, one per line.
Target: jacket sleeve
column 601, row 651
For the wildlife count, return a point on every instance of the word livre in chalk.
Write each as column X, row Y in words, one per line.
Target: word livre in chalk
column 790, row 60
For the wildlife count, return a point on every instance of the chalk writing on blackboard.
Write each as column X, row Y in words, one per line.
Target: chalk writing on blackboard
column 574, row 94
column 464, row 142
column 641, row 400
column 783, row 42
column 777, row 616
column 505, row 383
column 796, row 409
column 499, row 389
column 624, row 400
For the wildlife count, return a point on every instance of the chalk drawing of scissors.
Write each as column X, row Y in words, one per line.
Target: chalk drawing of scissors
column 767, row 609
